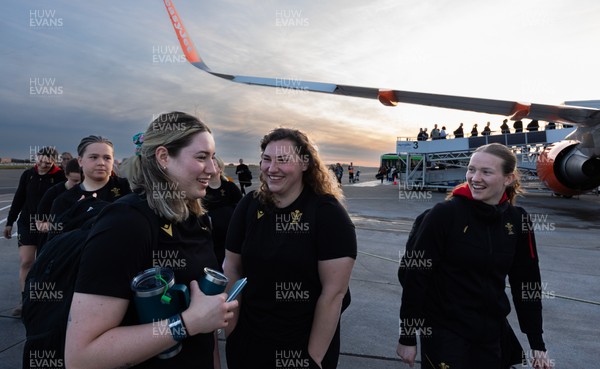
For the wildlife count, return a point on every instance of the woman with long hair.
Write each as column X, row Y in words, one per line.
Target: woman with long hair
column 169, row 176
column 296, row 244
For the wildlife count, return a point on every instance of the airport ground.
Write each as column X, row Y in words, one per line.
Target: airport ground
column 568, row 231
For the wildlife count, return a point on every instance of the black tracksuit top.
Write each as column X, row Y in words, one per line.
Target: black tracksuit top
column 464, row 249
column 32, row 187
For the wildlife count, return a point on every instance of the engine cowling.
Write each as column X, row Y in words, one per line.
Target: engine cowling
column 564, row 169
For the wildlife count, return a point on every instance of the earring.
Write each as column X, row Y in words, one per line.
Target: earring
column 164, row 168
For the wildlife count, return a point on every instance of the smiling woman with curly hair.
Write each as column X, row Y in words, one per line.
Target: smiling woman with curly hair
column 296, row 244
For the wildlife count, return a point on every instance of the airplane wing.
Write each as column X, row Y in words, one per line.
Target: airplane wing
column 566, row 114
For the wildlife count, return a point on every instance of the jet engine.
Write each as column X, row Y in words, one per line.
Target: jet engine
column 564, row 169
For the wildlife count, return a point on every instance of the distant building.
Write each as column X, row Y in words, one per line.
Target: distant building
column 14, row 161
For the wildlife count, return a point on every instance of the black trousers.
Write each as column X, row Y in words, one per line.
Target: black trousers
column 444, row 349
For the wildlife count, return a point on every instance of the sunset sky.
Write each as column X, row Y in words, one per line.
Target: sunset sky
column 70, row 69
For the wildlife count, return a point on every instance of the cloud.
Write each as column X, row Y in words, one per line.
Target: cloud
column 119, row 63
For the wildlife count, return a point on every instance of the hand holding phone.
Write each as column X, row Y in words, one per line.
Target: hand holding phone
column 238, row 286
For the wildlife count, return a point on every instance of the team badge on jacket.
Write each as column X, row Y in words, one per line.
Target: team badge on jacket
column 168, row 229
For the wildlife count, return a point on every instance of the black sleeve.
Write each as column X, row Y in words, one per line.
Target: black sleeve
column 336, row 235
column 430, row 240
column 63, row 202
column 45, row 204
column 526, row 286
column 18, row 199
column 234, row 193
column 237, row 226
column 114, row 252
column 124, row 186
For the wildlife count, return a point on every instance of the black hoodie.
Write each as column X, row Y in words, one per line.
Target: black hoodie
column 464, row 249
column 32, row 187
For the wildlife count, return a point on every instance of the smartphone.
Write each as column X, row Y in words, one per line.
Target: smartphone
column 238, row 286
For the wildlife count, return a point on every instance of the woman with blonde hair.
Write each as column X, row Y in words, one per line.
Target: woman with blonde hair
column 454, row 278
column 169, row 176
column 296, row 244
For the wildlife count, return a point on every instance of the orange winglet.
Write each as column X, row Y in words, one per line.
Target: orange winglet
column 184, row 39
column 520, row 111
column 387, row 97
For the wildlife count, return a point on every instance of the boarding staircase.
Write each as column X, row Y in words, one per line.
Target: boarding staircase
column 441, row 164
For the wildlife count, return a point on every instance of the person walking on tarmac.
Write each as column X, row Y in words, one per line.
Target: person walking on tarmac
column 244, row 176
column 339, row 172
column 351, row 173
column 382, row 172
column 33, row 184
column 470, row 244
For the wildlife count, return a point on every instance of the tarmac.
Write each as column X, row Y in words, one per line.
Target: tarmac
column 567, row 232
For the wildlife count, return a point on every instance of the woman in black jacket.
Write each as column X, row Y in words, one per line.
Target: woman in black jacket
column 222, row 196
column 33, row 184
column 169, row 174
column 453, row 290
column 96, row 160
